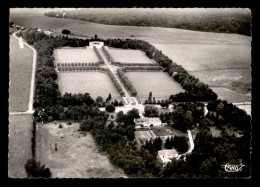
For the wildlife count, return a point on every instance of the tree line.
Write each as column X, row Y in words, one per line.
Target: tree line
column 101, row 60
column 127, row 83
column 209, row 20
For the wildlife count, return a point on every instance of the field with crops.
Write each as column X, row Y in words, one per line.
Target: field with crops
column 21, row 63
column 94, row 83
column 19, row 147
column 77, row 154
column 70, row 55
column 230, row 96
column 129, row 56
column 159, row 83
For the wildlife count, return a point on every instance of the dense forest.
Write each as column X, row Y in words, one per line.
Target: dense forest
column 210, row 152
column 228, row 20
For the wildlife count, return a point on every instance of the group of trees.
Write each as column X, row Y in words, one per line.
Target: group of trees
column 101, row 60
column 153, row 146
column 133, row 64
column 116, row 83
column 127, row 83
column 209, row 154
column 35, row 169
column 142, row 68
column 177, row 142
column 184, row 116
column 209, row 20
column 109, row 57
column 224, row 114
column 84, row 68
column 151, row 111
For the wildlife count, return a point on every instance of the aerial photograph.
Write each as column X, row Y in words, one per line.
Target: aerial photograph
column 130, row 93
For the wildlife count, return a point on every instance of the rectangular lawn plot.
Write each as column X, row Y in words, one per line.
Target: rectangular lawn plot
column 94, row 83
column 159, row 83
column 129, row 56
column 70, row 55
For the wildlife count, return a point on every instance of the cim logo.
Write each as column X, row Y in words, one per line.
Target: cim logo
column 233, row 168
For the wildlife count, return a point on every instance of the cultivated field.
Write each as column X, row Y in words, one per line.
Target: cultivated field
column 198, row 57
column 94, row 83
column 159, row 83
column 19, row 148
column 129, row 56
column 230, row 96
column 77, row 155
column 238, row 80
column 221, row 63
column 21, row 62
column 69, row 55
column 154, row 35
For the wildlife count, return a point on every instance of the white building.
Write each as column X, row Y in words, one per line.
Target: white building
column 97, row 44
column 146, row 122
column 167, row 155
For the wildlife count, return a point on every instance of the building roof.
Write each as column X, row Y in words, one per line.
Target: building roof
column 167, row 152
column 148, row 120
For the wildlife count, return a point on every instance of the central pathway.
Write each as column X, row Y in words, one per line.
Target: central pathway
column 114, row 71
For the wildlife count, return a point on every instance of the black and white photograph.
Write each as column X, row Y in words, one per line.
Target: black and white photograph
column 130, row 93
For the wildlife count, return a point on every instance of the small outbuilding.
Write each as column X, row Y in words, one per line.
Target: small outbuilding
column 97, row 44
column 167, row 155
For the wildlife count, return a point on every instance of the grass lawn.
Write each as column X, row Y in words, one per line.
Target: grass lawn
column 69, row 55
column 20, row 133
column 94, row 83
column 129, row 56
column 77, row 155
column 161, row 131
column 159, row 83
column 21, row 62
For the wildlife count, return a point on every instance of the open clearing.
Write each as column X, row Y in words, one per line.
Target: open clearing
column 21, row 63
column 159, row 83
column 20, row 134
column 77, row 155
column 70, row 55
column 230, row 96
column 94, row 83
column 238, row 80
column 129, row 56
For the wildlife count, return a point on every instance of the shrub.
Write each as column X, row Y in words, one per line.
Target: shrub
column 60, row 126
column 65, row 31
column 110, row 108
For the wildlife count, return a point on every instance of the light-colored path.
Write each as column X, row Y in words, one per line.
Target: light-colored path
column 30, row 104
column 191, row 145
column 113, row 70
